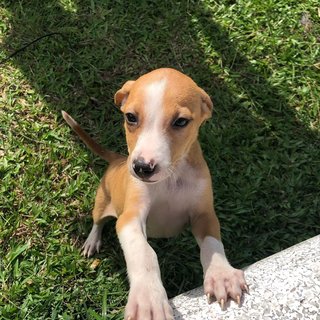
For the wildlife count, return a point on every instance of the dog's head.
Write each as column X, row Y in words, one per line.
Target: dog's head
column 163, row 111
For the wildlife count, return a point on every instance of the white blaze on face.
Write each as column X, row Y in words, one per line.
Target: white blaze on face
column 153, row 143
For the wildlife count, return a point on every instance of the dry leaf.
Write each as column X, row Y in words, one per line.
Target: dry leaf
column 95, row 263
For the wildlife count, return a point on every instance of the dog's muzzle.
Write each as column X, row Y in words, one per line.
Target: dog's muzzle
column 144, row 170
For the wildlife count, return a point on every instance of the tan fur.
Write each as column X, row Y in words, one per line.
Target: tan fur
column 90, row 143
column 183, row 91
column 186, row 96
column 129, row 199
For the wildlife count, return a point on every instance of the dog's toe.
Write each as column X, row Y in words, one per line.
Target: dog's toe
column 224, row 283
column 148, row 301
column 93, row 242
column 90, row 247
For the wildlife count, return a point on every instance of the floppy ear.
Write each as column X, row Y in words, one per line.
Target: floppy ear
column 121, row 95
column 206, row 105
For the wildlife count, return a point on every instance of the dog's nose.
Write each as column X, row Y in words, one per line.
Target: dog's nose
column 142, row 168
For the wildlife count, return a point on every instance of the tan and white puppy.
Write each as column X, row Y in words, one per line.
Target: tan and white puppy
column 163, row 185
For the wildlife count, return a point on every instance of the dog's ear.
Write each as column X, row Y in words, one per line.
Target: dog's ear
column 121, row 95
column 206, row 105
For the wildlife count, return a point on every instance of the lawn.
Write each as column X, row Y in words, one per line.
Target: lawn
column 260, row 63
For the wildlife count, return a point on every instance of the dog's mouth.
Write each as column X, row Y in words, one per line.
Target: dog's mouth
column 149, row 181
column 150, row 177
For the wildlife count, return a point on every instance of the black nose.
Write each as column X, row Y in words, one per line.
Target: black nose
column 142, row 168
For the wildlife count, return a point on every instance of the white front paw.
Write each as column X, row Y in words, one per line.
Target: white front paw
column 148, row 301
column 223, row 281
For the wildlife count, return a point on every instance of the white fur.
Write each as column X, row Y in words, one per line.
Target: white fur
column 220, row 278
column 173, row 201
column 212, row 252
column 169, row 204
column 140, row 258
column 147, row 296
column 152, row 142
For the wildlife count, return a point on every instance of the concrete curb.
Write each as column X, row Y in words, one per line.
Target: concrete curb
column 284, row 286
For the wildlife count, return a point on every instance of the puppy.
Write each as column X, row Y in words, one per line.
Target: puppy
column 163, row 185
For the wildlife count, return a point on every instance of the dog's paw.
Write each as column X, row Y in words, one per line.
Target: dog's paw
column 90, row 247
column 224, row 281
column 93, row 242
column 148, row 301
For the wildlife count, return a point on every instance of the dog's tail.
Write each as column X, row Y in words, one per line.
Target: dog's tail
column 89, row 142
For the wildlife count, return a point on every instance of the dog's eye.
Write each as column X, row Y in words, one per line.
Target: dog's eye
column 131, row 118
column 180, row 122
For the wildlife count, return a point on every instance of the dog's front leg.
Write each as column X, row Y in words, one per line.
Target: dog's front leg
column 221, row 280
column 147, row 297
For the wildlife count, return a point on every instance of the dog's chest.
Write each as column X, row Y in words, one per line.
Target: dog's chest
column 172, row 202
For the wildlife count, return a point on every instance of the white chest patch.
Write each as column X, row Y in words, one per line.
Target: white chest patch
column 172, row 202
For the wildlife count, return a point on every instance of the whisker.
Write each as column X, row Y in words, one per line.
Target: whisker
column 173, row 175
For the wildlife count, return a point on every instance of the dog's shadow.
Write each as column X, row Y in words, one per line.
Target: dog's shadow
column 92, row 60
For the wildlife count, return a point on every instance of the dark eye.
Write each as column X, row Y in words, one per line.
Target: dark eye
column 180, row 122
column 131, row 118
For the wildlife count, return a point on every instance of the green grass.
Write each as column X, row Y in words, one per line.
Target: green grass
column 260, row 65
